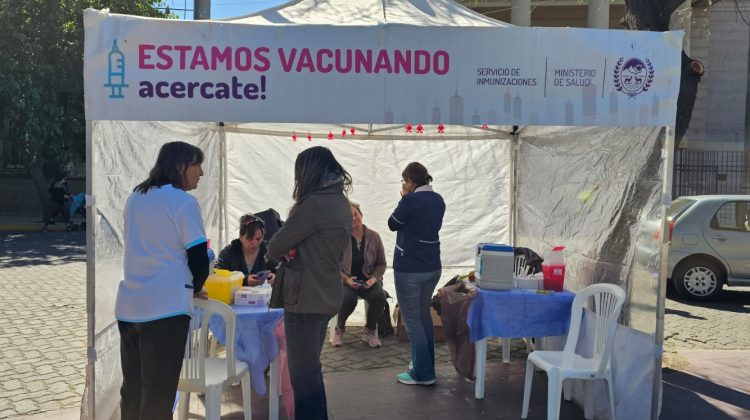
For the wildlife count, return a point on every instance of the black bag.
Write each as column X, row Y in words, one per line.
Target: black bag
column 533, row 259
column 385, row 327
column 277, row 292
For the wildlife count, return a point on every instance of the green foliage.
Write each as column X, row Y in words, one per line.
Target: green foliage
column 41, row 73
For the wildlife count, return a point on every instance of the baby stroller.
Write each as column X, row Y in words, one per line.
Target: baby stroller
column 78, row 207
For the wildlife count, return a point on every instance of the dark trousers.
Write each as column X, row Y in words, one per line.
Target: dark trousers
column 375, row 298
column 57, row 207
column 305, row 334
column 151, row 355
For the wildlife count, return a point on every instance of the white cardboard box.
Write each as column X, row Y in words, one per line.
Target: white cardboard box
column 255, row 296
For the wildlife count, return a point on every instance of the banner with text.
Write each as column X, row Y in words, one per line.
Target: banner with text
column 168, row 70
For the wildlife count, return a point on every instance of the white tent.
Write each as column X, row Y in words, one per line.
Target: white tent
column 592, row 189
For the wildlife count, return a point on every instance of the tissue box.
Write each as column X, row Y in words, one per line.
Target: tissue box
column 530, row 282
column 254, row 296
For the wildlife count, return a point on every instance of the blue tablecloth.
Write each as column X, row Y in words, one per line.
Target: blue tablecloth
column 256, row 344
column 519, row 313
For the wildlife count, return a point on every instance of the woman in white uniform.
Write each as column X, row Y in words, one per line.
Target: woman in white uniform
column 166, row 263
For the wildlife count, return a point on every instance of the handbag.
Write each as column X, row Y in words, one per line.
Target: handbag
column 277, row 291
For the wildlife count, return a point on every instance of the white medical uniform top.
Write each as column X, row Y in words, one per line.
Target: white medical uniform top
column 159, row 228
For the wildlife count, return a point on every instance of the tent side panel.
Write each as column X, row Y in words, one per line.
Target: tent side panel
column 598, row 192
column 473, row 176
column 124, row 153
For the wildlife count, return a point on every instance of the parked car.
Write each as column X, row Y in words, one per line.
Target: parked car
column 709, row 244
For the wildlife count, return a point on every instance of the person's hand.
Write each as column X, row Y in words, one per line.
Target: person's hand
column 252, row 280
column 404, row 189
column 271, row 279
column 203, row 294
column 290, row 254
column 353, row 284
column 371, row 282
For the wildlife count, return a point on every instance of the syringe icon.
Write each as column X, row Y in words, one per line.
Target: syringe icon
column 116, row 73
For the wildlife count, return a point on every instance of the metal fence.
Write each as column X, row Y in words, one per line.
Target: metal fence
column 704, row 172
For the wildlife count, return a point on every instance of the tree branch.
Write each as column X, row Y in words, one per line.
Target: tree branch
column 650, row 15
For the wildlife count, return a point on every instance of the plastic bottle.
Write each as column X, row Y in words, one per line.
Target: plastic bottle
column 553, row 269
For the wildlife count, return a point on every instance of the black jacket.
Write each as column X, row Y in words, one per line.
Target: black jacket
column 232, row 258
column 58, row 191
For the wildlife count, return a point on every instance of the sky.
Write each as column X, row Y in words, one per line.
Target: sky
column 223, row 8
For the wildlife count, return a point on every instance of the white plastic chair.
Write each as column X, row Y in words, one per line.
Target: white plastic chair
column 335, row 320
column 211, row 375
column 566, row 364
column 519, row 266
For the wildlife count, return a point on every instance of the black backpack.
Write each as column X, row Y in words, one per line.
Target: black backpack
column 385, row 327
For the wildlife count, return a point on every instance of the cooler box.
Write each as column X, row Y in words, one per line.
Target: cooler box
column 222, row 284
column 494, row 266
column 253, row 296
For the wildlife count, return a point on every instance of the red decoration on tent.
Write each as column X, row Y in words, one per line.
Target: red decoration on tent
column 343, row 133
column 485, row 126
column 420, row 129
column 409, row 128
column 309, row 137
column 330, row 135
column 441, row 128
column 294, row 136
column 352, row 130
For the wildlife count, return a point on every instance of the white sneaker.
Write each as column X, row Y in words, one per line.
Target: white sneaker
column 371, row 337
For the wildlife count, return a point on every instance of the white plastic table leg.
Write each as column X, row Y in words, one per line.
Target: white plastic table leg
column 273, row 391
column 505, row 345
column 481, row 365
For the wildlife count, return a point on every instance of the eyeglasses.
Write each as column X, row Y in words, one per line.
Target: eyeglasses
column 403, row 181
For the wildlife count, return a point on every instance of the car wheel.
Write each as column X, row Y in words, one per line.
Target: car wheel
column 698, row 279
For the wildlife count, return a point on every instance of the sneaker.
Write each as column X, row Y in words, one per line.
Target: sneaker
column 338, row 338
column 405, row 378
column 371, row 337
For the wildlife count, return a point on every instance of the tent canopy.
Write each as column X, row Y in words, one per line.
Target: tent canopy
column 592, row 189
column 369, row 12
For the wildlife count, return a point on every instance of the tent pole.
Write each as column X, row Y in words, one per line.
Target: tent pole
column 223, row 231
column 90, row 403
column 513, row 180
column 668, row 161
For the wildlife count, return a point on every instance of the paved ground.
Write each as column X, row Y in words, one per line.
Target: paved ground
column 43, row 324
column 723, row 324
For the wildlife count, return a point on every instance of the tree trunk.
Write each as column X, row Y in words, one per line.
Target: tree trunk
column 41, row 184
column 654, row 15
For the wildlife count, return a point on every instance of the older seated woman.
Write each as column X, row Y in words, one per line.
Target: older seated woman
column 363, row 266
column 248, row 253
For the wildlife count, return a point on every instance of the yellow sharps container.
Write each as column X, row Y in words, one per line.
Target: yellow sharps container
column 222, row 284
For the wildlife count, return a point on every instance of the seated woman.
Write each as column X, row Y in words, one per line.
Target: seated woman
column 248, row 252
column 362, row 271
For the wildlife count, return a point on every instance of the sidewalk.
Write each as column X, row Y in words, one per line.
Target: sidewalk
column 31, row 224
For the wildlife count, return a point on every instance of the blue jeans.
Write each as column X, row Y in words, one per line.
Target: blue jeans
column 414, row 291
column 305, row 335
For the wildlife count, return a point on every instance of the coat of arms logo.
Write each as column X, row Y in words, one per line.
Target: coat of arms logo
column 633, row 76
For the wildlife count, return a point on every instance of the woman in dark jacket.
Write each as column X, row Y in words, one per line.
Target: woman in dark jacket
column 362, row 272
column 416, row 267
column 310, row 245
column 248, row 252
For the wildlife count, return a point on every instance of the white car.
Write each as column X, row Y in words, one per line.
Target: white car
column 709, row 244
